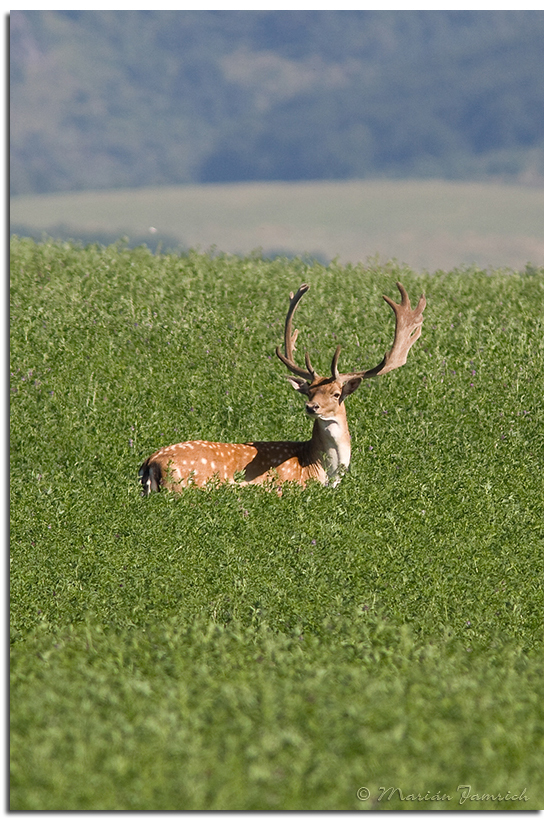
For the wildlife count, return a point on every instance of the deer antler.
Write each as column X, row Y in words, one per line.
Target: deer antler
column 290, row 340
column 408, row 330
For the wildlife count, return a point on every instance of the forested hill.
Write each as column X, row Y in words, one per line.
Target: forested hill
column 104, row 99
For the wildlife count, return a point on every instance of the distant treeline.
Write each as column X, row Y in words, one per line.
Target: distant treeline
column 107, row 99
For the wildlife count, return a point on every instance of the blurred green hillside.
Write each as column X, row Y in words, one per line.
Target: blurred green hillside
column 110, row 99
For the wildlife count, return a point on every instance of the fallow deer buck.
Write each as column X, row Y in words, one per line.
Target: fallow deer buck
column 323, row 458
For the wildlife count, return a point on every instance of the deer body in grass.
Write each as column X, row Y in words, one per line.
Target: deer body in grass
column 324, row 457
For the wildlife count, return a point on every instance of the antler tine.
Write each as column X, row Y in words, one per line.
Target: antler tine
column 334, row 363
column 407, row 331
column 311, row 371
column 290, row 340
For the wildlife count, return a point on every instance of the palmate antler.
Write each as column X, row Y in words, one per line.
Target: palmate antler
column 407, row 331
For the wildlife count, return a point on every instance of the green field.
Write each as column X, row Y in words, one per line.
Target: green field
column 427, row 224
column 235, row 649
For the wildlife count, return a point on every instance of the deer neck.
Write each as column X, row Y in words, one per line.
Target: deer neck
column 330, row 446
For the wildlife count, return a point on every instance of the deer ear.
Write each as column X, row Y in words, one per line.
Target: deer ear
column 299, row 384
column 350, row 386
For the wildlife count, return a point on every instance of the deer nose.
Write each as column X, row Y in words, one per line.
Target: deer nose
column 312, row 407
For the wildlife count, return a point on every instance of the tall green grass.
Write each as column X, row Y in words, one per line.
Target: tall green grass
column 233, row 649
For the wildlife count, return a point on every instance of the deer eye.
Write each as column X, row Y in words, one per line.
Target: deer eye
column 336, row 395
